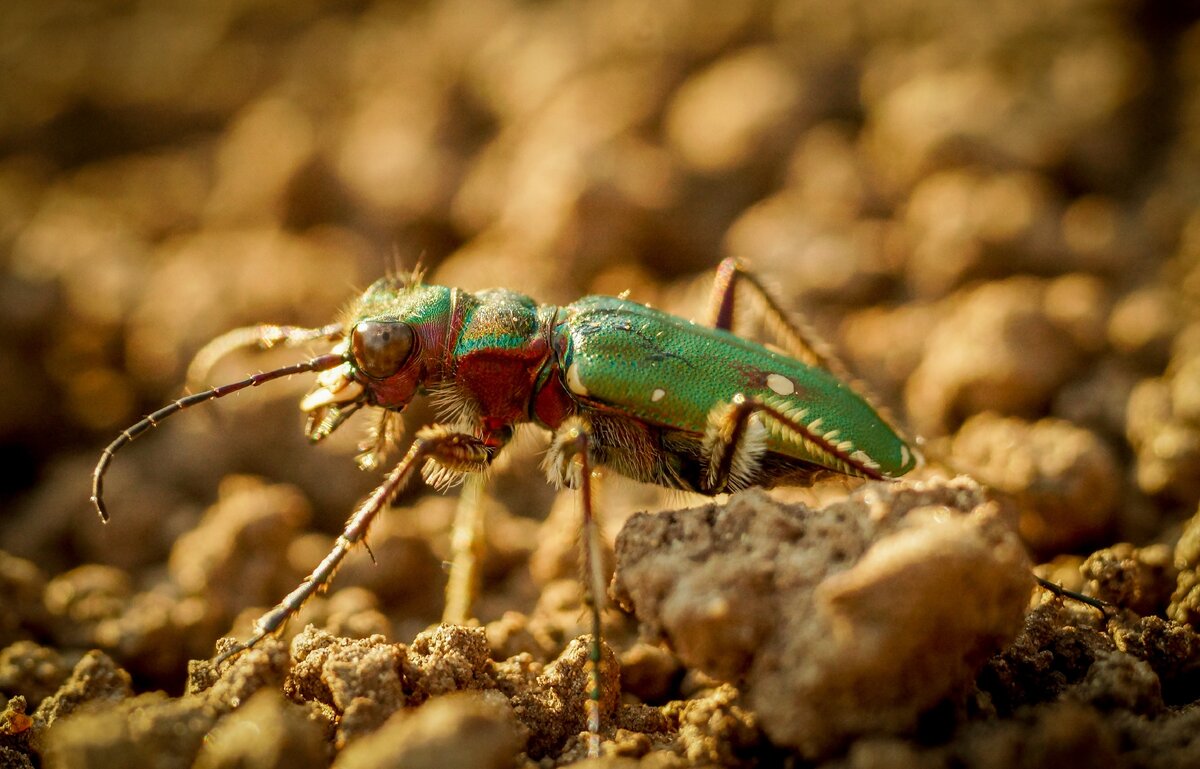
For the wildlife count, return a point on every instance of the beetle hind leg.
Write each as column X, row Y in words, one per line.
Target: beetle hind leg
column 734, row 444
column 734, row 448
column 792, row 332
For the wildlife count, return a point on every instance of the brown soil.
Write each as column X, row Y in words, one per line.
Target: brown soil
column 993, row 213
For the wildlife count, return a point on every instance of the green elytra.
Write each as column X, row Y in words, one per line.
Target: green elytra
column 666, row 371
column 650, row 395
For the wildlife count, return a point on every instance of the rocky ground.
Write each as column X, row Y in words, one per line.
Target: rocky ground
column 992, row 210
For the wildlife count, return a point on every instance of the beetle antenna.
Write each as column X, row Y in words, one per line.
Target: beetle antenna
column 319, row 363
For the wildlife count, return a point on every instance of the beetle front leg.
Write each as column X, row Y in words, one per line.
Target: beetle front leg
column 435, row 450
column 570, row 460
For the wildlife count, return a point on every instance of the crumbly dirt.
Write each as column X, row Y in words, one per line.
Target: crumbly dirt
column 992, row 212
column 799, row 606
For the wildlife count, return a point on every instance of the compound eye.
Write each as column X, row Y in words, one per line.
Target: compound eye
column 381, row 347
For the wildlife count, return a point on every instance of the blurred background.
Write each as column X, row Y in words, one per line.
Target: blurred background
column 991, row 208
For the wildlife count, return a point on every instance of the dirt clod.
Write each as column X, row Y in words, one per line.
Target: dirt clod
column 475, row 729
column 1063, row 478
column 22, row 611
column 1185, row 600
column 35, row 671
column 96, row 679
column 146, row 730
column 268, row 732
column 798, row 605
column 447, row 659
column 1141, row 579
column 355, row 683
column 999, row 347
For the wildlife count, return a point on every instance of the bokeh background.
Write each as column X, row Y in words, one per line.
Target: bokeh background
column 991, row 208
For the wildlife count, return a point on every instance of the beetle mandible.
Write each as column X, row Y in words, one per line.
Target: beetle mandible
column 621, row 385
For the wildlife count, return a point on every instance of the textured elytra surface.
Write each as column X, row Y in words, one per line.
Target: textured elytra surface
column 624, row 355
column 984, row 209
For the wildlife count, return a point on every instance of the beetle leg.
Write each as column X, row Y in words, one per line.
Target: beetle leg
column 466, row 544
column 449, row 450
column 792, row 332
column 466, row 538
column 570, row 453
column 734, row 443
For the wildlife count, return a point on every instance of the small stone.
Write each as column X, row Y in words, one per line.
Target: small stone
column 475, row 729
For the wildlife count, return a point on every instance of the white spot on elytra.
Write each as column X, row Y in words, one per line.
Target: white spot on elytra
column 904, row 455
column 781, row 384
column 657, row 395
column 573, row 382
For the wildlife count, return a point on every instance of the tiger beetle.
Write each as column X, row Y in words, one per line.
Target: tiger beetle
column 618, row 384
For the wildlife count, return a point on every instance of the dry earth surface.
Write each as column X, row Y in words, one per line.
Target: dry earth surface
column 991, row 209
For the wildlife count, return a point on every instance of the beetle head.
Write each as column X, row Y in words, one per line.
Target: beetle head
column 394, row 338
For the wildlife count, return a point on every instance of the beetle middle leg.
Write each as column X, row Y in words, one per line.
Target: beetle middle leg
column 436, row 451
column 467, row 538
column 570, row 459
